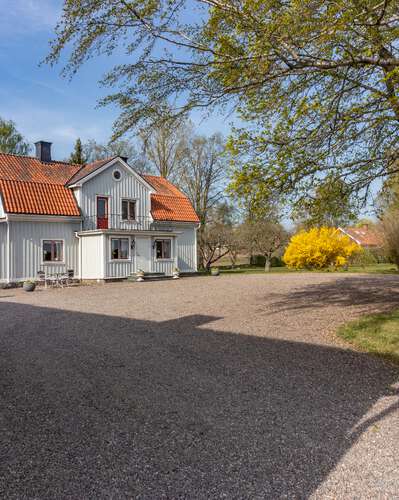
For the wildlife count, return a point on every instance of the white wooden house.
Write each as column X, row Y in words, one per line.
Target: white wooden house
column 103, row 220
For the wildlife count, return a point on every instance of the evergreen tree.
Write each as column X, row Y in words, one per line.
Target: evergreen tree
column 78, row 155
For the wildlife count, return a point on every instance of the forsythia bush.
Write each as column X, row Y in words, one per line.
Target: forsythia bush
column 319, row 248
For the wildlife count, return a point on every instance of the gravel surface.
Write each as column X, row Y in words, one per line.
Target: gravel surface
column 228, row 387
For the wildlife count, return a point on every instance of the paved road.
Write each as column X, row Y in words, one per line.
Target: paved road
column 229, row 387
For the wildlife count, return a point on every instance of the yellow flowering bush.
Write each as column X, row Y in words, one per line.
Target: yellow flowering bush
column 319, row 248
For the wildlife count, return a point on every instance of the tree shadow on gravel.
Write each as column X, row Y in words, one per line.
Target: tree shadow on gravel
column 375, row 293
column 95, row 406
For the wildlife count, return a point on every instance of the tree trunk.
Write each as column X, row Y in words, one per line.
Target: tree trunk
column 268, row 264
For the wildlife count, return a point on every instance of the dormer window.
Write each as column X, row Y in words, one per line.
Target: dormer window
column 128, row 209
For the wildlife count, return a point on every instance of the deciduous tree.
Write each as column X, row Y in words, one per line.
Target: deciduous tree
column 317, row 79
column 202, row 174
column 165, row 145
column 330, row 204
column 390, row 232
column 11, row 141
column 264, row 237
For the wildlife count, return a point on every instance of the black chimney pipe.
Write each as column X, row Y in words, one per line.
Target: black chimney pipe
column 43, row 151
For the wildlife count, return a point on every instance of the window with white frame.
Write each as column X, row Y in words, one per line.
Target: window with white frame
column 163, row 249
column 53, row 250
column 119, row 248
column 128, row 209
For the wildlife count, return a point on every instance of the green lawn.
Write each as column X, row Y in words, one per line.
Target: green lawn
column 377, row 334
column 371, row 269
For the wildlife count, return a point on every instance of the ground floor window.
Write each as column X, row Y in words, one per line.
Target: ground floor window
column 53, row 250
column 163, row 249
column 119, row 248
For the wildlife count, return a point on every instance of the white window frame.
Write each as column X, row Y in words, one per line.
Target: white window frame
column 129, row 200
column 129, row 258
column 163, row 259
column 52, row 262
column 113, row 174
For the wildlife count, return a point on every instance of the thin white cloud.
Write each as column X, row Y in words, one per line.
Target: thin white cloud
column 19, row 16
column 60, row 126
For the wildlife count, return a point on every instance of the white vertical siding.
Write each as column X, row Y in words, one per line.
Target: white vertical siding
column 186, row 248
column 26, row 247
column 167, row 265
column 104, row 184
column 92, row 255
column 118, row 269
column 2, row 213
column 3, row 251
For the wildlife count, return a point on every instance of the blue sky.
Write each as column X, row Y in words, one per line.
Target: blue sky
column 44, row 105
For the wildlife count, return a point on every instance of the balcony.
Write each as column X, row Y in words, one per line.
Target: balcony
column 115, row 222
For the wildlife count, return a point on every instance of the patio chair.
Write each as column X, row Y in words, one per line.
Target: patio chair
column 41, row 277
column 67, row 278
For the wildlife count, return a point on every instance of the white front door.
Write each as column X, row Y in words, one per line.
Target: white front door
column 143, row 253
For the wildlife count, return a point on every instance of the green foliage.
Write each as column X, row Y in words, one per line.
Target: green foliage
column 330, row 204
column 260, row 261
column 320, row 97
column 11, row 141
column 363, row 259
column 78, row 155
column 388, row 197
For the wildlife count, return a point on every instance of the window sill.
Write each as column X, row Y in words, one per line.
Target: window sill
column 165, row 260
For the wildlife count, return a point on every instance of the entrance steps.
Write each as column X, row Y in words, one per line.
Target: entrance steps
column 150, row 277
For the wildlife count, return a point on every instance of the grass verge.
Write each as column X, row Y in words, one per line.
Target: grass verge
column 377, row 334
column 370, row 269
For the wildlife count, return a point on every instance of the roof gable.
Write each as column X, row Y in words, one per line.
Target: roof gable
column 90, row 170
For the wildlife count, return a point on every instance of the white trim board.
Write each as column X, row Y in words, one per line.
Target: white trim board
column 108, row 165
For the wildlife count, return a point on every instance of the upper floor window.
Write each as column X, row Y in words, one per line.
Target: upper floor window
column 128, row 210
column 53, row 250
column 163, row 249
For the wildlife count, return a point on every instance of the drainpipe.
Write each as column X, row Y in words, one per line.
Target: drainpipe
column 8, row 279
column 80, row 253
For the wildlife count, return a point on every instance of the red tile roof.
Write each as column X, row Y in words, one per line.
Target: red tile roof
column 20, row 197
column 89, row 168
column 29, row 186
column 364, row 235
column 29, row 169
column 168, row 203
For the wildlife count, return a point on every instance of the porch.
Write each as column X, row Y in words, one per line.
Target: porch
column 108, row 254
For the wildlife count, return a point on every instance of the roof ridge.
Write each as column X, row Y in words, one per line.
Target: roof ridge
column 28, row 157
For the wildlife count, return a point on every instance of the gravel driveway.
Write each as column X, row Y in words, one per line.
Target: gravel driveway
column 229, row 387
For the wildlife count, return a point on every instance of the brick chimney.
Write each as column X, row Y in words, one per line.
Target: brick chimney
column 43, row 151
